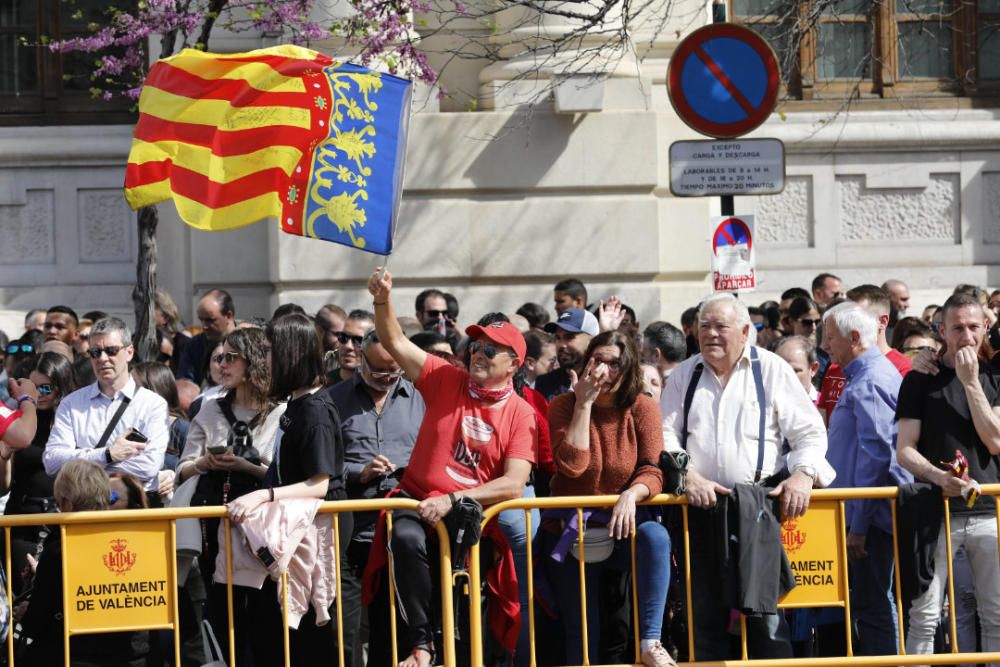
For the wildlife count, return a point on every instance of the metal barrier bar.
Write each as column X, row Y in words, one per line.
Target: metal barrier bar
column 61, row 521
column 582, row 560
column 531, row 592
column 841, row 508
column 899, row 586
column 10, row 596
column 951, row 579
column 840, row 495
column 337, row 583
column 391, row 579
column 635, row 603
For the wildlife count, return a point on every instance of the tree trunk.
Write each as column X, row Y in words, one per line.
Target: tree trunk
column 144, row 294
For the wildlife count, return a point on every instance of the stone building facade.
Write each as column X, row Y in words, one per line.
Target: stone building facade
column 501, row 202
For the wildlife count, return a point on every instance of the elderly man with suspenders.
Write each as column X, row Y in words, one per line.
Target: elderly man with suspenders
column 743, row 418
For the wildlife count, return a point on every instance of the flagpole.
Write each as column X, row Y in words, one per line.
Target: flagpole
column 382, row 269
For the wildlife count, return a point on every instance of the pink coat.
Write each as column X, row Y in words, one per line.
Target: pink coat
column 285, row 536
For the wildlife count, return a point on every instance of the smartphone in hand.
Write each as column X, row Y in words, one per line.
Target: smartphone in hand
column 136, row 436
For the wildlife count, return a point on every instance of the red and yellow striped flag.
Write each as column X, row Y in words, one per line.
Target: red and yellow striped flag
column 227, row 137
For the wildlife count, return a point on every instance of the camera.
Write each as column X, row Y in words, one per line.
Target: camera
column 240, row 438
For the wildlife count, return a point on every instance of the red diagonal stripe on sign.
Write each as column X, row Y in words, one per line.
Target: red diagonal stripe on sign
column 726, row 236
column 725, row 80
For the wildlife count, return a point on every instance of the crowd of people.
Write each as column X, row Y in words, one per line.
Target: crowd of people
column 746, row 409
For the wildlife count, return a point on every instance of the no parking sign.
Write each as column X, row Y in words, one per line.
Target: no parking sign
column 733, row 262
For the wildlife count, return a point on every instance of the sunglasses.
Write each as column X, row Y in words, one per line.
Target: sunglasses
column 343, row 338
column 612, row 364
column 437, row 313
column 759, row 326
column 228, row 357
column 488, row 349
column 380, row 375
column 44, row 389
column 84, row 337
column 918, row 348
column 96, row 352
column 26, row 348
column 806, row 322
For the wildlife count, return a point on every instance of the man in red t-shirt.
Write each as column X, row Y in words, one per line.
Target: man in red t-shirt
column 876, row 301
column 477, row 439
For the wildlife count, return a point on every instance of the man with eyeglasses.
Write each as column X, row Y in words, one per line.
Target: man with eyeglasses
column 349, row 339
column 478, row 441
column 380, row 413
column 217, row 315
column 113, row 422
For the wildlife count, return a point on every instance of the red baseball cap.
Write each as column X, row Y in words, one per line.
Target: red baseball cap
column 503, row 333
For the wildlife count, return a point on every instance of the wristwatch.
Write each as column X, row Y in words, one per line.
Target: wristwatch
column 107, row 456
column 808, row 471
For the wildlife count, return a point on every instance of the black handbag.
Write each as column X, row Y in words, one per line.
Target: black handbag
column 674, row 467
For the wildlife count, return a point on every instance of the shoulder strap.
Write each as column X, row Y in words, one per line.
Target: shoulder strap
column 226, row 406
column 758, row 380
column 689, row 398
column 114, row 422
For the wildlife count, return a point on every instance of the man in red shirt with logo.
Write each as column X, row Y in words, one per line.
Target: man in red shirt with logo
column 477, row 439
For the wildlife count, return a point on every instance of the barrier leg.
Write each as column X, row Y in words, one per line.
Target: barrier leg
column 229, row 592
column 173, row 575
column 635, row 602
column 847, row 586
column 899, row 586
column 687, row 583
column 336, row 564
column 284, row 619
column 391, row 577
column 531, row 593
column 583, row 586
column 953, row 624
column 448, row 602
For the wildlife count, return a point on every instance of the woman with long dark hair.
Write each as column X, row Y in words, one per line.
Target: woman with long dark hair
column 23, row 472
column 308, row 462
column 229, row 449
column 606, row 439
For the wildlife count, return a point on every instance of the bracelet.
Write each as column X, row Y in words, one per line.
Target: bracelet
column 271, row 491
column 30, row 399
column 379, row 303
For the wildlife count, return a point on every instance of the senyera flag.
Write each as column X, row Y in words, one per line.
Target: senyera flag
column 283, row 132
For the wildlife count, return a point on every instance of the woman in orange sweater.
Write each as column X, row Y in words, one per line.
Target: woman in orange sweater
column 607, row 438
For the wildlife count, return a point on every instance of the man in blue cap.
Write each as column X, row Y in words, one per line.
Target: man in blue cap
column 573, row 331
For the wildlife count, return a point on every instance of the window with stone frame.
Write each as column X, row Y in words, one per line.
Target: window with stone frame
column 40, row 87
column 858, row 49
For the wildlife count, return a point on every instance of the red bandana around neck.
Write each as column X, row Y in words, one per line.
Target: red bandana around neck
column 481, row 393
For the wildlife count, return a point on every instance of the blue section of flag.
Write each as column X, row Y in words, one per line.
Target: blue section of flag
column 357, row 173
column 706, row 94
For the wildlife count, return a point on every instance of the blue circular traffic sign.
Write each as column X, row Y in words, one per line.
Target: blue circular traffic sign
column 723, row 80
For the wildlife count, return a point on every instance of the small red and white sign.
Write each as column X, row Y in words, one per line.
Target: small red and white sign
column 733, row 263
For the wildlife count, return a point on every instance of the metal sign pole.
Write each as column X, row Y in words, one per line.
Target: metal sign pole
column 726, row 204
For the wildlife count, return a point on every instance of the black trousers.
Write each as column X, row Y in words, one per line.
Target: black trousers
column 415, row 558
column 713, row 573
column 352, row 569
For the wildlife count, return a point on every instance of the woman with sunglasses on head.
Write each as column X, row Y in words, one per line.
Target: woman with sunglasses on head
column 606, row 438
column 23, row 472
column 229, row 446
column 307, row 463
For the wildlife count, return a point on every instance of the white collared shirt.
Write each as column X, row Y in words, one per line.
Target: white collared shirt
column 724, row 421
column 82, row 417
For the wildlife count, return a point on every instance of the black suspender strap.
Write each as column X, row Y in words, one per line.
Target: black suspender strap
column 114, row 422
column 688, row 399
column 758, row 380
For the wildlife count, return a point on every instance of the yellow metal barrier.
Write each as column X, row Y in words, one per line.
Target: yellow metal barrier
column 840, row 496
column 138, row 517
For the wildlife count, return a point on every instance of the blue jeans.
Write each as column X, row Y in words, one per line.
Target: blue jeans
column 652, row 554
column 514, row 529
column 873, row 604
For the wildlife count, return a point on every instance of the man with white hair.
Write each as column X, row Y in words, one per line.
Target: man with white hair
column 732, row 407
column 862, row 450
